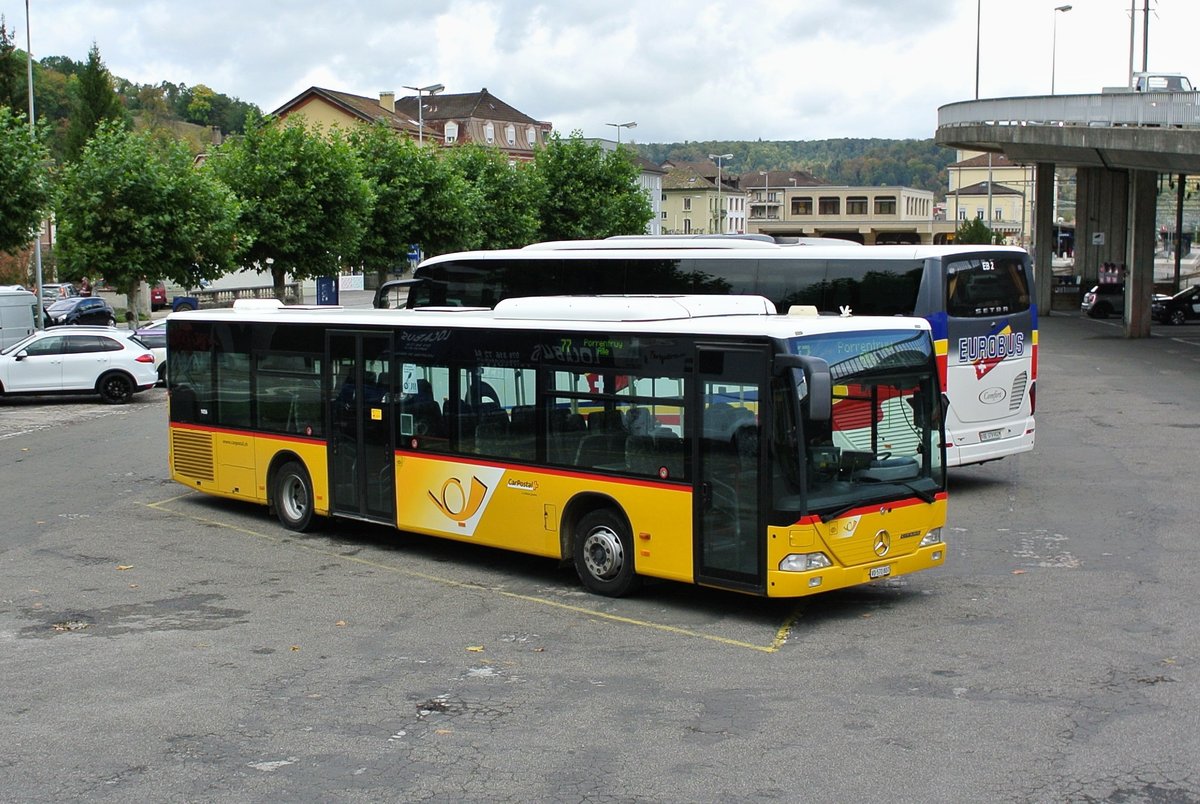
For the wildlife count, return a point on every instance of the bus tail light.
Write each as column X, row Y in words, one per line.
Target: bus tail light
column 1033, row 399
column 802, row 562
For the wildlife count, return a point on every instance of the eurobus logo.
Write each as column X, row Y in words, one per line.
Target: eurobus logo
column 985, row 352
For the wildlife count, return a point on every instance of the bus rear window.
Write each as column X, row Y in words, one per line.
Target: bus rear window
column 982, row 287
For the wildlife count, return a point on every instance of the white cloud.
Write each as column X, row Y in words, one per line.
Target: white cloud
column 699, row 70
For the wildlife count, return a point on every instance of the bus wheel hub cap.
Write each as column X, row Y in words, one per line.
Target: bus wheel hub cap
column 603, row 553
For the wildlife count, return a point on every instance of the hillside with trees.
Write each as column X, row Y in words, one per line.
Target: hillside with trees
column 188, row 113
column 853, row 162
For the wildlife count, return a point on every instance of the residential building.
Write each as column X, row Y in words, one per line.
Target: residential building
column 765, row 190
column 478, row 117
column 868, row 215
column 324, row 108
column 692, row 204
column 995, row 189
column 732, row 200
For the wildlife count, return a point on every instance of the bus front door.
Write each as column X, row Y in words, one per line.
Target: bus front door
column 362, row 478
column 729, row 534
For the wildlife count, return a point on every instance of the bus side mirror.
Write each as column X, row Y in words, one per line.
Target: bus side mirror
column 817, row 377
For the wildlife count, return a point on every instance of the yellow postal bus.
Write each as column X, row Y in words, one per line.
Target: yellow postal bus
column 700, row 439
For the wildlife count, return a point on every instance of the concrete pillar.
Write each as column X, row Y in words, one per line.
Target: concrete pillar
column 1101, row 214
column 1043, row 234
column 1139, row 279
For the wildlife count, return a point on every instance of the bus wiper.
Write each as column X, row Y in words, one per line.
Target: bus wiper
column 837, row 512
column 922, row 494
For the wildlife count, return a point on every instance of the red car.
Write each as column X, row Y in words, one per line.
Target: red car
column 158, row 297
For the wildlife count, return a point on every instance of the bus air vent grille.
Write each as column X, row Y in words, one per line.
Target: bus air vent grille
column 1017, row 397
column 192, row 454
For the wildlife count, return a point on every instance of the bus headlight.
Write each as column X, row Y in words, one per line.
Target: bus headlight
column 934, row 536
column 802, row 562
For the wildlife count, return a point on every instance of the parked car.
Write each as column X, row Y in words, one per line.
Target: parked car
column 1183, row 306
column 158, row 297
column 154, row 336
column 55, row 291
column 81, row 310
column 80, row 360
column 1104, row 300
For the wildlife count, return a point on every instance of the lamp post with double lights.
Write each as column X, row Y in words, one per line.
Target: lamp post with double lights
column 720, row 217
column 432, row 89
column 619, row 126
column 1054, row 44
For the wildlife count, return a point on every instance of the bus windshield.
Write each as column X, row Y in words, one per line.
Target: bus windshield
column 882, row 441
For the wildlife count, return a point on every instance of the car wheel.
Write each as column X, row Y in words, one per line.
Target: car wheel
column 115, row 389
column 603, row 552
column 1100, row 310
column 1177, row 317
column 293, row 498
column 162, row 375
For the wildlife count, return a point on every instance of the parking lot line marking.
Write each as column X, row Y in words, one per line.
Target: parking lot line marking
column 781, row 634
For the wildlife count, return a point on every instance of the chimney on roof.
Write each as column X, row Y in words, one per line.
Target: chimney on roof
column 388, row 100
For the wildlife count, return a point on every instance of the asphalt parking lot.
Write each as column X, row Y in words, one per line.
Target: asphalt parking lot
column 161, row 645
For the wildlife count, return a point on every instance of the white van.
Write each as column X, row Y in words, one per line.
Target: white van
column 18, row 316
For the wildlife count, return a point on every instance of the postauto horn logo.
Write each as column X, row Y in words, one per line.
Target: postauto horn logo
column 456, row 503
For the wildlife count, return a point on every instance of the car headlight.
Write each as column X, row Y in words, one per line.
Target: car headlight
column 803, row 562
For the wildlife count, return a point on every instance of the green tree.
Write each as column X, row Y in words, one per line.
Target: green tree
column 504, row 198
column 390, row 165
column 25, row 190
column 975, row 231
column 200, row 108
column 133, row 208
column 96, row 102
column 586, row 192
column 305, row 203
column 13, row 91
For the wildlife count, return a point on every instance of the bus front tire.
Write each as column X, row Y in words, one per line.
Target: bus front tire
column 293, row 497
column 603, row 551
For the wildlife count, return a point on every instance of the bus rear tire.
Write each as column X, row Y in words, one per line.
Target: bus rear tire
column 293, row 498
column 603, row 552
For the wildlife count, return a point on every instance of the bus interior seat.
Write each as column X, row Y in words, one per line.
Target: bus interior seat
column 640, row 421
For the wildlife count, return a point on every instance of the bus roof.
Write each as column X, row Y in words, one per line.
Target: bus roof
column 715, row 249
column 686, row 314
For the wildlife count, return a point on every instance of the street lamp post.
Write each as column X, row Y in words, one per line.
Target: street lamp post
column 432, row 89
column 619, row 126
column 37, row 240
column 720, row 218
column 1054, row 44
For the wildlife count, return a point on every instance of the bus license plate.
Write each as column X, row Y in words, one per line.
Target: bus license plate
column 880, row 572
column 991, row 435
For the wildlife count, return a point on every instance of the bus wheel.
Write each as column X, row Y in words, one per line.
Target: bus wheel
column 604, row 554
column 294, row 497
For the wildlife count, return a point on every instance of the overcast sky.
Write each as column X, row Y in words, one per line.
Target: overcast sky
column 699, row 70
